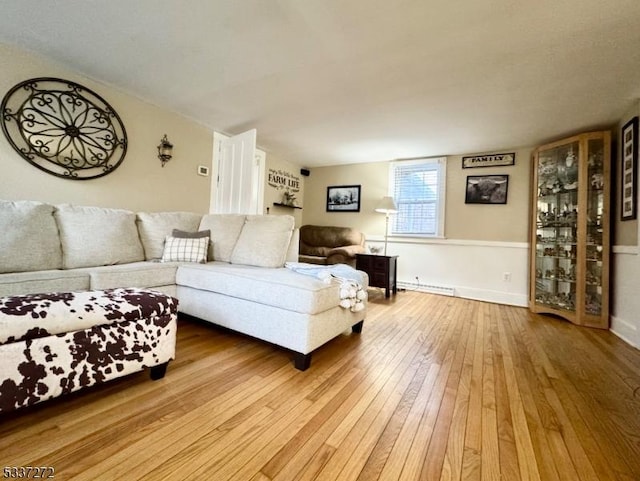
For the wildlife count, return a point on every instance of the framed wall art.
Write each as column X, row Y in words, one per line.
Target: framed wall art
column 63, row 128
column 486, row 189
column 343, row 198
column 489, row 160
column 628, row 170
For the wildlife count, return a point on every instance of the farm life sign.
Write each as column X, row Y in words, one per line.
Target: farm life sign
column 488, row 160
column 283, row 180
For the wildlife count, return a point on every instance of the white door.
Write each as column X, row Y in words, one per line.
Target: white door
column 236, row 186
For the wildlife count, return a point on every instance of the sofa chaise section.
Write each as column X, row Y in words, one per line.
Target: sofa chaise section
column 291, row 310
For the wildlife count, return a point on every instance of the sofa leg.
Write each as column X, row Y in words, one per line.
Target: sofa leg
column 357, row 328
column 158, row 372
column 301, row 361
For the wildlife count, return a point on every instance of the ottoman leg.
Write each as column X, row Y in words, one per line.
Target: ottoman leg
column 302, row 361
column 357, row 328
column 158, row 372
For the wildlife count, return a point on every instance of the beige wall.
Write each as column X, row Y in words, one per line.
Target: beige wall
column 624, row 233
column 139, row 183
column 509, row 223
column 274, row 194
column 373, row 179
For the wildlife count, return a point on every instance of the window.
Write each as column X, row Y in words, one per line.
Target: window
column 418, row 186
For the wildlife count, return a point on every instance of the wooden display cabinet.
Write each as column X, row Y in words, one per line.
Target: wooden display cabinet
column 570, row 228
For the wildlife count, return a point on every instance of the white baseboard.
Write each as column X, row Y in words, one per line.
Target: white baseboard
column 485, row 295
column 498, row 297
column 432, row 289
column 625, row 331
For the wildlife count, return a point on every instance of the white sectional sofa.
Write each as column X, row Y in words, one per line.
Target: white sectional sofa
column 243, row 286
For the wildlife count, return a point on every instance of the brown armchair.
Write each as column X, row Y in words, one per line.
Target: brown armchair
column 321, row 244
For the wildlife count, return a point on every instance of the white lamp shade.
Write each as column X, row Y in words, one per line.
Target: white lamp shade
column 387, row 206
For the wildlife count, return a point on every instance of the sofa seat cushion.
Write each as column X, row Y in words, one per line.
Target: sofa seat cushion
column 93, row 236
column 137, row 274
column 13, row 284
column 29, row 240
column 278, row 287
column 40, row 315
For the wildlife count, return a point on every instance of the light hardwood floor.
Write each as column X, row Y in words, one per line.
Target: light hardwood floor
column 435, row 388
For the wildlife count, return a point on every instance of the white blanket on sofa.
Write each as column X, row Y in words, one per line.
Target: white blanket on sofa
column 352, row 292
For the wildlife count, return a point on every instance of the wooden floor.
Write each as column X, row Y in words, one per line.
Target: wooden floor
column 434, row 388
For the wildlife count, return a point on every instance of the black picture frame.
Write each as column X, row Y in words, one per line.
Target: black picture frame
column 487, row 189
column 489, row 160
column 628, row 170
column 343, row 198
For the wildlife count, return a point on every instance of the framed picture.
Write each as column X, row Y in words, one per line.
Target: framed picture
column 628, row 169
column 489, row 160
column 343, row 198
column 487, row 189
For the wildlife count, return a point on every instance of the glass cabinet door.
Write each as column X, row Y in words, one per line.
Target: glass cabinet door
column 556, row 253
column 595, row 228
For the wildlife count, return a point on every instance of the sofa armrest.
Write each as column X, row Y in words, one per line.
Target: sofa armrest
column 344, row 255
column 347, row 251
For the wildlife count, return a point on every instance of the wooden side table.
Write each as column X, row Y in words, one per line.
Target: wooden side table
column 382, row 271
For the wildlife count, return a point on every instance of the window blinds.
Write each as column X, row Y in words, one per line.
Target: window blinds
column 416, row 188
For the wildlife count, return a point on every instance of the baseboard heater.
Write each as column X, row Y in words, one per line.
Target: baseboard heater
column 430, row 288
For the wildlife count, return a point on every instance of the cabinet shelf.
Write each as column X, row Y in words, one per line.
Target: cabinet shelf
column 569, row 262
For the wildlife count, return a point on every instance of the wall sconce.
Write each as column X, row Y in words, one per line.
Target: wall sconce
column 165, row 150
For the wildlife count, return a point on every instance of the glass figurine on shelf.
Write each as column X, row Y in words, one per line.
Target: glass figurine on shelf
column 570, row 171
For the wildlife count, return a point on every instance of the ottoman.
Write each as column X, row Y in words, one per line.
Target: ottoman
column 57, row 343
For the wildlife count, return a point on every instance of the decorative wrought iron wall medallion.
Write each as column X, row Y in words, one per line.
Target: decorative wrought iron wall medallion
column 63, row 128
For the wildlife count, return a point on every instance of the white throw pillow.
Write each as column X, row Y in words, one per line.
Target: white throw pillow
column 179, row 249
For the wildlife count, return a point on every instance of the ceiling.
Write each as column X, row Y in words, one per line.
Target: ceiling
column 327, row 82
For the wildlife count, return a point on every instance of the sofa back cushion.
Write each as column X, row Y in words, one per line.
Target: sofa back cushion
column 94, row 236
column 319, row 239
column 225, row 231
column 154, row 227
column 29, row 238
column 264, row 241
